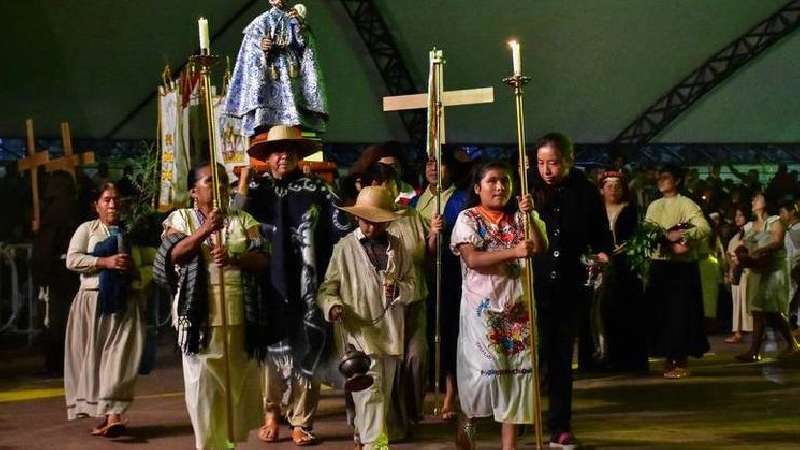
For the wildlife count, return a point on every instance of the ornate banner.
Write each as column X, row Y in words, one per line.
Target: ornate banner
column 231, row 146
column 174, row 143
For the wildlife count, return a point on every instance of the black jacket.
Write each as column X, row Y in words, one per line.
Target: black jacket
column 576, row 224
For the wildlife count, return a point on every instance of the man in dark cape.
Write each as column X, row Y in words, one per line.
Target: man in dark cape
column 300, row 221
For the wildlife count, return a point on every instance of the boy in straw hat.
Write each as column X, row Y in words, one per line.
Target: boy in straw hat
column 369, row 281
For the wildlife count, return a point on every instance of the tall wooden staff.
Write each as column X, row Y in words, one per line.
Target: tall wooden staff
column 436, row 135
column 517, row 82
column 205, row 60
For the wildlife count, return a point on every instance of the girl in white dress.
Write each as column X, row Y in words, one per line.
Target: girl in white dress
column 742, row 320
column 494, row 370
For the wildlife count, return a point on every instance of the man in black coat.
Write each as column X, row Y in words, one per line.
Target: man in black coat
column 572, row 209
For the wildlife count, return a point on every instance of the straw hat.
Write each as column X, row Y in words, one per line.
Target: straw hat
column 281, row 137
column 373, row 204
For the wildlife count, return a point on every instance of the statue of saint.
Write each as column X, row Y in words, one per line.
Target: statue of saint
column 277, row 79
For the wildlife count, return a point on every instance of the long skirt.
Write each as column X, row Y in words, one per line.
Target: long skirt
column 768, row 291
column 102, row 356
column 676, row 301
column 203, row 377
column 494, row 364
column 623, row 315
column 742, row 319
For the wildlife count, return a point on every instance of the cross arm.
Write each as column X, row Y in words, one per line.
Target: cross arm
column 451, row 98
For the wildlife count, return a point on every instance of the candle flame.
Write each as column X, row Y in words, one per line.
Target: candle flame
column 512, row 43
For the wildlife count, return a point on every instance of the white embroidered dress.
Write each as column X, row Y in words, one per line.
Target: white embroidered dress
column 494, row 361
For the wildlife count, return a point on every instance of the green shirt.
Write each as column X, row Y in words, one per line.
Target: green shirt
column 670, row 211
column 426, row 203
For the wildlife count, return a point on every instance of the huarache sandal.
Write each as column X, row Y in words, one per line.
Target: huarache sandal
column 100, row 428
column 110, row 430
column 270, row 431
column 115, row 429
column 302, row 437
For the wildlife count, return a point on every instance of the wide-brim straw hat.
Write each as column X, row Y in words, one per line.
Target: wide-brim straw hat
column 373, row 204
column 279, row 138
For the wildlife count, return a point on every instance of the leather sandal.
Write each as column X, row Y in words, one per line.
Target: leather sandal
column 302, row 437
column 115, row 429
column 110, row 430
column 98, row 430
column 270, row 431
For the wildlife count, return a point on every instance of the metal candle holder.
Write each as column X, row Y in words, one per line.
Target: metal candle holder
column 517, row 83
column 205, row 60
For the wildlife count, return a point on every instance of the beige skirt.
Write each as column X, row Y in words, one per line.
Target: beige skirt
column 102, row 355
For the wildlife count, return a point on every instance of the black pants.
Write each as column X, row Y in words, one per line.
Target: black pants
column 556, row 320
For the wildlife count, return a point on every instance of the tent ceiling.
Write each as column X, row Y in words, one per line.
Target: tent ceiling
column 595, row 65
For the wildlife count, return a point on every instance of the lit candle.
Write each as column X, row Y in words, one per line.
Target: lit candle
column 515, row 57
column 202, row 26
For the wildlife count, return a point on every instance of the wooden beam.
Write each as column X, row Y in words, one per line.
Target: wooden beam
column 451, row 98
column 34, row 160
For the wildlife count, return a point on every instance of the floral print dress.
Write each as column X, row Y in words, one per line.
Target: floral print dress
column 494, row 361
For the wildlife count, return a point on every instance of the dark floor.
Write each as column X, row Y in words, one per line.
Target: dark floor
column 722, row 405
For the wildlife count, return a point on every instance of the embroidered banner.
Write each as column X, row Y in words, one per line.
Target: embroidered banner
column 231, row 146
column 174, row 142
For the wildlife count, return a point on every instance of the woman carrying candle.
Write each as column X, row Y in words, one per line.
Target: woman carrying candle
column 189, row 262
column 494, row 362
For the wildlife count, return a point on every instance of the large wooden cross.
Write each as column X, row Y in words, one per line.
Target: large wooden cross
column 70, row 160
column 34, row 160
column 437, row 99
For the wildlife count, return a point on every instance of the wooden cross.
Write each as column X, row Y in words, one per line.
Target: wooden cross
column 32, row 163
column 70, row 160
column 437, row 99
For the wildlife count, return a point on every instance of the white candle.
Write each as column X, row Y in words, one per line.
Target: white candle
column 202, row 26
column 515, row 57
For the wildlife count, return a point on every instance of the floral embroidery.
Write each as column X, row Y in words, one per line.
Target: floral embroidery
column 482, row 307
column 495, row 372
column 497, row 237
column 508, row 331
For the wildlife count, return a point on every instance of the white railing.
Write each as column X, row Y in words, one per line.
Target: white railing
column 18, row 303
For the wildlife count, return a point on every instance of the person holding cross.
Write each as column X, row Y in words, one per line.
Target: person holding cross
column 300, row 221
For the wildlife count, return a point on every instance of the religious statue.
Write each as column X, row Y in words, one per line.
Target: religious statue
column 277, row 79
